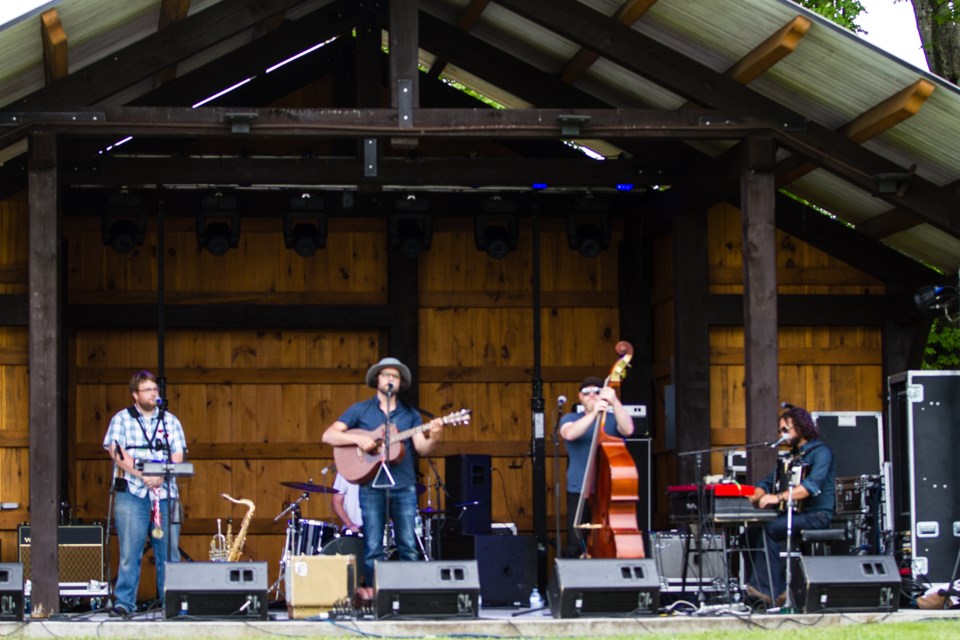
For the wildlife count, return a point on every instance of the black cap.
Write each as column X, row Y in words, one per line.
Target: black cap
column 591, row 381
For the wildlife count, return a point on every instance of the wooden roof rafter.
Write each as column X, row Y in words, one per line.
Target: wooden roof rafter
column 469, row 17
column 627, row 14
column 171, row 12
column 54, row 39
column 881, row 117
column 769, row 52
column 689, row 78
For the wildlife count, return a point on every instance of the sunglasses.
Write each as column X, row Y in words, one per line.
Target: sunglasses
column 784, row 429
column 590, row 391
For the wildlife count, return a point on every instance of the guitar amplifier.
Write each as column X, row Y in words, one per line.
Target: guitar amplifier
column 80, row 549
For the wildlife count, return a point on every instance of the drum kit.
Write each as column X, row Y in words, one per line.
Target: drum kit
column 319, row 537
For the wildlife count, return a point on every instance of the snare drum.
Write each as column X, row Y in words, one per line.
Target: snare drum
column 313, row 534
column 345, row 546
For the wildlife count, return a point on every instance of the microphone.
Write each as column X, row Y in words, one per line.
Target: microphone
column 118, row 450
column 389, row 388
column 786, row 405
column 159, row 402
column 561, row 400
column 779, row 442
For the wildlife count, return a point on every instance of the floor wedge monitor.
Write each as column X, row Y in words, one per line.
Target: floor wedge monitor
column 223, row 590
column 603, row 588
column 849, row 583
column 438, row 589
column 11, row 591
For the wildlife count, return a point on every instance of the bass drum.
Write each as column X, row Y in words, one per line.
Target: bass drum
column 344, row 546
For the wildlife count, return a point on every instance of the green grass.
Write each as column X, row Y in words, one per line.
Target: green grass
column 929, row 630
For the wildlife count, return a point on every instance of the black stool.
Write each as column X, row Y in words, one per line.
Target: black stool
column 816, row 542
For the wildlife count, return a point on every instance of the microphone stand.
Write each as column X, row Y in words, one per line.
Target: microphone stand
column 556, row 477
column 431, row 515
column 702, row 522
column 378, row 482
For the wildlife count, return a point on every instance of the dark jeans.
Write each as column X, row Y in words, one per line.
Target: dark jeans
column 574, row 549
column 403, row 513
column 774, row 534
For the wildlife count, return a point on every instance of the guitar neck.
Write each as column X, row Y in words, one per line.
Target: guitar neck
column 409, row 433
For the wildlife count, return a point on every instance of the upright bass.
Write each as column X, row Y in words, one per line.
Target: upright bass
column 610, row 485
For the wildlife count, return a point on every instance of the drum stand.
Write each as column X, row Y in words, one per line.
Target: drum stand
column 290, row 543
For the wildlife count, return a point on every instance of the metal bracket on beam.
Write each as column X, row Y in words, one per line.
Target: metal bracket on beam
column 240, row 120
column 370, row 158
column 405, row 103
column 16, row 119
column 736, row 122
column 570, row 124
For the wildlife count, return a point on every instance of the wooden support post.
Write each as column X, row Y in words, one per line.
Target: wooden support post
column 691, row 378
column 759, row 239
column 44, row 357
column 404, row 70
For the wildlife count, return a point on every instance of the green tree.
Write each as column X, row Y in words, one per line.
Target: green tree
column 843, row 12
column 943, row 346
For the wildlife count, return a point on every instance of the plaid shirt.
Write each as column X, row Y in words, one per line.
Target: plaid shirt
column 126, row 431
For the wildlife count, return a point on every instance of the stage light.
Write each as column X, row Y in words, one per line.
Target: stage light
column 934, row 297
column 304, row 226
column 218, row 224
column 496, row 229
column 411, row 229
column 123, row 223
column 588, row 232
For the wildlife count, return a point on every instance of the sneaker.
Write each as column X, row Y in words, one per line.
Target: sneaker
column 119, row 611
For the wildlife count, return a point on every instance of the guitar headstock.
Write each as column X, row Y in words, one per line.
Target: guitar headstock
column 458, row 417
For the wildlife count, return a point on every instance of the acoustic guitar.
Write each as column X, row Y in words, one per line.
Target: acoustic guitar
column 358, row 466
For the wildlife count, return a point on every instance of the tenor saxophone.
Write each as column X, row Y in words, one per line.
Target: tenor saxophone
column 237, row 546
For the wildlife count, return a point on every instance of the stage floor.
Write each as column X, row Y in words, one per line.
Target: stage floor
column 499, row 622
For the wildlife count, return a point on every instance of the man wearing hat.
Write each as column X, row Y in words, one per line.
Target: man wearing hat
column 577, row 431
column 388, row 377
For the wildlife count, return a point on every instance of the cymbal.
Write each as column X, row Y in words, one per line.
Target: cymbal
column 309, row 487
column 430, row 511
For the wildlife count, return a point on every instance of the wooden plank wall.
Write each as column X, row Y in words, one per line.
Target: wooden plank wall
column 254, row 403
column 14, row 385
column 820, row 368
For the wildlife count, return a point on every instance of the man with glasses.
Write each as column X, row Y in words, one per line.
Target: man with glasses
column 577, row 431
column 388, row 377
column 810, row 471
column 143, row 432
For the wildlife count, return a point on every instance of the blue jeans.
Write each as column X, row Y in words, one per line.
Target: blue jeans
column 774, row 535
column 132, row 517
column 403, row 512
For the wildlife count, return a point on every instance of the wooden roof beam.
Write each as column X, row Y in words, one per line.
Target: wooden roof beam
column 171, row 11
column 630, row 12
column 767, row 53
column 468, row 18
column 54, row 47
column 770, row 51
column 885, row 115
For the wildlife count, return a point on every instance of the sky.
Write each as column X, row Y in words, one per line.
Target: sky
column 890, row 25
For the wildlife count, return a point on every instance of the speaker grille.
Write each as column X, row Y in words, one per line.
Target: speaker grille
column 80, row 553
